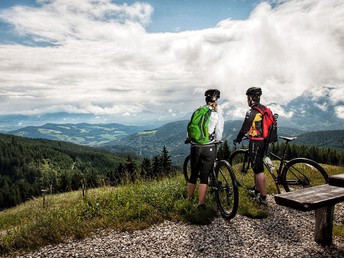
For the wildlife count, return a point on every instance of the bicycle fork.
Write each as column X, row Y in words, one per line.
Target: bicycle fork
column 277, row 179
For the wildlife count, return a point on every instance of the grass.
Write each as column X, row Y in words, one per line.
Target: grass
column 123, row 208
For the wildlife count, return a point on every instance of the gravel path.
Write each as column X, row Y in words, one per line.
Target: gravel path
column 285, row 233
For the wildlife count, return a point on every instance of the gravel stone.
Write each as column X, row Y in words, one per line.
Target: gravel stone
column 284, row 233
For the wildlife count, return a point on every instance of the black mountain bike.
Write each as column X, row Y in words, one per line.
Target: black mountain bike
column 223, row 184
column 291, row 174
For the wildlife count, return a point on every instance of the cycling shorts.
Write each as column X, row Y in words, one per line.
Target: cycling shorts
column 202, row 162
column 257, row 152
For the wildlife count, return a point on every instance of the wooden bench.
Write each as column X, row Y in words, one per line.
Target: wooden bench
column 320, row 198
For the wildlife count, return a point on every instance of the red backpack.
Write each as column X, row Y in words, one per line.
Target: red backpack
column 269, row 124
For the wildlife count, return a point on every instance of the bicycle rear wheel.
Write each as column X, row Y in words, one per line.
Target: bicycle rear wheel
column 241, row 166
column 187, row 168
column 226, row 190
column 301, row 173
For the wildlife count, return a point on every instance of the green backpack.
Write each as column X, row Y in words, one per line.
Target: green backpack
column 198, row 125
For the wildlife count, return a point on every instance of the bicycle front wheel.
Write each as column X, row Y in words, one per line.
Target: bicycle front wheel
column 227, row 196
column 301, row 173
column 241, row 166
column 187, row 168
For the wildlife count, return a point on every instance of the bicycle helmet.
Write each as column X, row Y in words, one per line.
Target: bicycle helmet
column 212, row 95
column 254, row 92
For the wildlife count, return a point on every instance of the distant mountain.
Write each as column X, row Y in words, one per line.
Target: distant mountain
column 83, row 133
column 14, row 122
column 149, row 142
column 172, row 135
column 333, row 139
column 312, row 113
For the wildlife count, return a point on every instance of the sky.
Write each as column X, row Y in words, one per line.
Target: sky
column 132, row 62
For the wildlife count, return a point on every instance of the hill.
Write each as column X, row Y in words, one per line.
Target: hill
column 172, row 135
column 68, row 217
column 82, row 133
column 28, row 166
column 149, row 142
column 333, row 139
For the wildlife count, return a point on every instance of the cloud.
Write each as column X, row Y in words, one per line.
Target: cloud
column 62, row 20
column 95, row 56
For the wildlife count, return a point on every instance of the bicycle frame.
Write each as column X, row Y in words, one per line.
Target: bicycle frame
column 292, row 174
column 277, row 177
column 282, row 163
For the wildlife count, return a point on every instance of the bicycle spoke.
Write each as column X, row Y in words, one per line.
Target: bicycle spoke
column 303, row 173
column 187, row 169
column 227, row 191
column 241, row 167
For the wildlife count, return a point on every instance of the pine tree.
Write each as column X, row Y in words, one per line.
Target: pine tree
column 146, row 170
column 130, row 168
column 156, row 167
column 165, row 161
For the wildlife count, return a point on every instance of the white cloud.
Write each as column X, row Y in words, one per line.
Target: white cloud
column 340, row 111
column 103, row 61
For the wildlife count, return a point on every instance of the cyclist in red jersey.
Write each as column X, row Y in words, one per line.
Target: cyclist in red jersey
column 252, row 126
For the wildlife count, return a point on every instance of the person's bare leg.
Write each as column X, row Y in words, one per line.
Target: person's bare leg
column 191, row 190
column 202, row 191
column 259, row 180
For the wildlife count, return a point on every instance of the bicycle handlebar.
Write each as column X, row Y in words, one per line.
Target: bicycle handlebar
column 285, row 138
column 243, row 139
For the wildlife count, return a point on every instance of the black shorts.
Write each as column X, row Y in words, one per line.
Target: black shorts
column 257, row 151
column 202, row 162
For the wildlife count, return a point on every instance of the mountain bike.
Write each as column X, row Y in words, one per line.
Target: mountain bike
column 222, row 183
column 291, row 174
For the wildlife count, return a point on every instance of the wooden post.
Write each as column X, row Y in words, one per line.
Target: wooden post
column 43, row 195
column 83, row 187
column 323, row 225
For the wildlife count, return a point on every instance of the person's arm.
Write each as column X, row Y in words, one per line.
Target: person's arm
column 215, row 125
column 219, row 128
column 245, row 126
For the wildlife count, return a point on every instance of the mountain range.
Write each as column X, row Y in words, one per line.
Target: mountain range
column 82, row 133
column 314, row 113
column 307, row 112
column 172, row 135
column 312, row 118
column 149, row 142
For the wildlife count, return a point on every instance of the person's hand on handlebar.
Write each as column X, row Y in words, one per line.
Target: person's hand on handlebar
column 236, row 141
column 187, row 141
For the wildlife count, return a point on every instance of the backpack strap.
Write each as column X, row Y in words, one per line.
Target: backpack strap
column 261, row 132
column 259, row 109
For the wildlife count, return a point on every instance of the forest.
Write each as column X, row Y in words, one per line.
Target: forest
column 30, row 167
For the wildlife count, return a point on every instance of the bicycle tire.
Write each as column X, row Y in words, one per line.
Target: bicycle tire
column 239, row 161
column 226, row 191
column 187, row 168
column 301, row 173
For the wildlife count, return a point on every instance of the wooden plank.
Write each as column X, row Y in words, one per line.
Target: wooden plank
column 311, row 198
column 323, row 225
column 336, row 180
